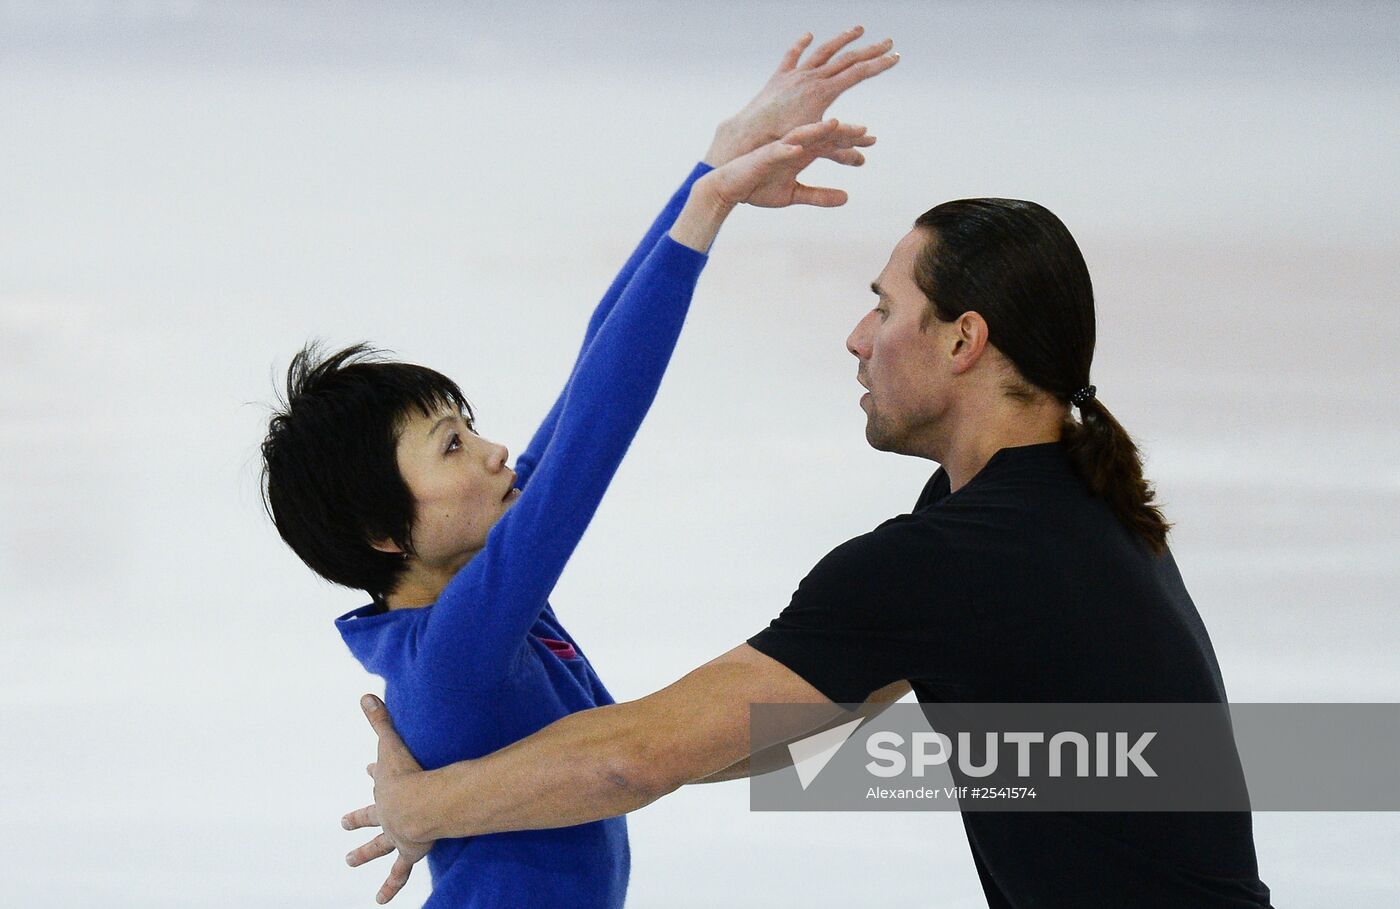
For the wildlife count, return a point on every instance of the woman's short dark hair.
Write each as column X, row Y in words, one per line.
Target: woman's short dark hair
column 1016, row 264
column 330, row 476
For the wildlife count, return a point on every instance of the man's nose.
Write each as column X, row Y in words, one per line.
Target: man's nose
column 499, row 457
column 855, row 341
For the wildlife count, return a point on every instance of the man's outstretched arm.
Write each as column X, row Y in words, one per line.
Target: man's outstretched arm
column 587, row 766
column 777, row 756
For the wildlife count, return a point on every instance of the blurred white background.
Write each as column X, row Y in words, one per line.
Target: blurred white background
column 190, row 190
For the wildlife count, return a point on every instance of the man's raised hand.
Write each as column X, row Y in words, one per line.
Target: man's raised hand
column 799, row 93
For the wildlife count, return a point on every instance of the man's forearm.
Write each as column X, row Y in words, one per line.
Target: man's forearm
column 593, row 764
column 585, row 767
column 779, row 755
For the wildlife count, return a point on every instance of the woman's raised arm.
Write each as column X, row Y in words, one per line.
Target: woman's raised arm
column 797, row 93
column 482, row 617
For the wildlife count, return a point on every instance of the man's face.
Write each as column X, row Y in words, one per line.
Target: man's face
column 460, row 484
column 898, row 361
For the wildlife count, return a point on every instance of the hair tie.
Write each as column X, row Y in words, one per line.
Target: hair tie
column 1082, row 396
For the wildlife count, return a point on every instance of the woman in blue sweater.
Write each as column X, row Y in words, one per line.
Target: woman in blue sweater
column 377, row 479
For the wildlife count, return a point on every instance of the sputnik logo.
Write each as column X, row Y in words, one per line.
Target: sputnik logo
column 811, row 755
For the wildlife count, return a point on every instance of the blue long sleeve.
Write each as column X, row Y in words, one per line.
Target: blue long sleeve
column 480, row 621
column 526, row 461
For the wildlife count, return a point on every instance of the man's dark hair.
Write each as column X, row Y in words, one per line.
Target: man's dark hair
column 330, row 476
column 1015, row 264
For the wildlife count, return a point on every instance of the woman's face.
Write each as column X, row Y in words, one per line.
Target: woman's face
column 460, row 484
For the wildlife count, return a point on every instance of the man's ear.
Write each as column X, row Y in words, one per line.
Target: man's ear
column 387, row 545
column 970, row 336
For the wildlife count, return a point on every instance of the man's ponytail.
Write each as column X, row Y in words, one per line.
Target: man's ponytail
column 1104, row 456
column 1016, row 264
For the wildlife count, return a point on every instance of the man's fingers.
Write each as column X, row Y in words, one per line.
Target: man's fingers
column 392, row 751
column 850, row 58
column 862, row 71
column 367, row 816
column 820, row 196
column 379, row 846
column 376, row 714
column 398, row 876
column 824, row 53
column 794, row 53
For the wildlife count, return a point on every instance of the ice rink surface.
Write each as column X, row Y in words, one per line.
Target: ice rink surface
column 190, row 190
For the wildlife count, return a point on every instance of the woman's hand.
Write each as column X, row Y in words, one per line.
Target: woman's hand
column 393, row 774
column 798, row 93
column 767, row 177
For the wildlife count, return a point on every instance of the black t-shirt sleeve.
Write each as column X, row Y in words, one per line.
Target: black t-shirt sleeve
column 867, row 615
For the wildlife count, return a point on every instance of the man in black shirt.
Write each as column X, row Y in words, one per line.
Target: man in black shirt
column 1020, row 587
column 1033, row 568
